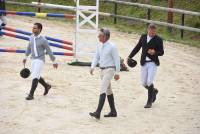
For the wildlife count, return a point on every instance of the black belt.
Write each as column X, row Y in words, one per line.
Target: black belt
column 107, row 67
column 148, row 61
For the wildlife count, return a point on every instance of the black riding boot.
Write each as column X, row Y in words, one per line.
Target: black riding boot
column 113, row 112
column 155, row 92
column 100, row 106
column 45, row 85
column 150, row 96
column 33, row 87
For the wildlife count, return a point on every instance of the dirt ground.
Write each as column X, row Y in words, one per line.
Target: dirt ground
column 75, row 92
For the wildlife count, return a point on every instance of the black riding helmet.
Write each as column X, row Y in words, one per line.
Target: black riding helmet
column 25, row 73
column 131, row 62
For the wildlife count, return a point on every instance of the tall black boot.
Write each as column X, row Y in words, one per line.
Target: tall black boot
column 150, row 95
column 100, row 106
column 33, row 87
column 155, row 92
column 45, row 85
column 113, row 112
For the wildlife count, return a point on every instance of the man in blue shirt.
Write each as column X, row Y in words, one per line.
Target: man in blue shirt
column 109, row 62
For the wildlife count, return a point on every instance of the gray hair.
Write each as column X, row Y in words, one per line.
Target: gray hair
column 106, row 32
column 151, row 26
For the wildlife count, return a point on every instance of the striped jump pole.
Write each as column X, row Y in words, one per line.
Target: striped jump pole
column 28, row 33
column 67, row 16
column 27, row 38
column 23, row 51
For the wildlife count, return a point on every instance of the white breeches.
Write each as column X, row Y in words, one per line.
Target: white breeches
column 148, row 72
column 36, row 68
column 106, row 77
column 3, row 20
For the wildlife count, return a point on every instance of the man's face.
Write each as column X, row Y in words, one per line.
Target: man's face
column 151, row 32
column 101, row 37
column 36, row 30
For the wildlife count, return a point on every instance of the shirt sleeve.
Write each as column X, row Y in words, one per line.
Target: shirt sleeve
column 116, row 58
column 48, row 50
column 95, row 59
column 28, row 50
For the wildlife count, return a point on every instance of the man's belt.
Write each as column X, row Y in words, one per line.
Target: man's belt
column 148, row 61
column 107, row 67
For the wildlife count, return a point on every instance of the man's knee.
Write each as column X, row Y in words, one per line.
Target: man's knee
column 3, row 24
column 144, row 83
column 149, row 83
column 109, row 92
column 102, row 92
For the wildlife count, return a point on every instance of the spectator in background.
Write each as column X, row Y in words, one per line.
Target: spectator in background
column 3, row 20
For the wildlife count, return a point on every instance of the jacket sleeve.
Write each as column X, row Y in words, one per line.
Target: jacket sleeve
column 136, row 48
column 48, row 50
column 160, row 49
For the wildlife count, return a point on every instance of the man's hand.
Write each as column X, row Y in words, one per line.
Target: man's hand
column 55, row 65
column 127, row 59
column 116, row 77
column 24, row 61
column 91, row 71
column 151, row 51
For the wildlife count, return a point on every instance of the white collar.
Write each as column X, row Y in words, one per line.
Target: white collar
column 105, row 43
column 149, row 37
column 38, row 36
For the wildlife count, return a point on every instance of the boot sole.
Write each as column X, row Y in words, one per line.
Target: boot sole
column 111, row 115
column 91, row 114
column 29, row 98
column 107, row 116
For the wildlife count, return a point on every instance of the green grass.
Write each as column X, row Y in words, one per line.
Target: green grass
column 190, row 38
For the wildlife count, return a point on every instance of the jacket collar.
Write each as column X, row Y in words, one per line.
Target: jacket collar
column 151, row 38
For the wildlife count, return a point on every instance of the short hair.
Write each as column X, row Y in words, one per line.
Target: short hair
column 39, row 25
column 106, row 32
column 151, row 26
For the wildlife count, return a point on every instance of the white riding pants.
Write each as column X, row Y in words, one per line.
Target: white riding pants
column 36, row 68
column 3, row 19
column 106, row 77
column 148, row 72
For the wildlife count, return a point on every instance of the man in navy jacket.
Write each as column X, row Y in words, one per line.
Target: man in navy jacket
column 152, row 47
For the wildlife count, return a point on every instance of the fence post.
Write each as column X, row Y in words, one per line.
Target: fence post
column 182, row 23
column 170, row 14
column 115, row 13
column 39, row 9
column 148, row 15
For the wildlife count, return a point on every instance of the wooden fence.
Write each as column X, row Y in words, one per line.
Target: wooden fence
column 149, row 8
column 182, row 27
